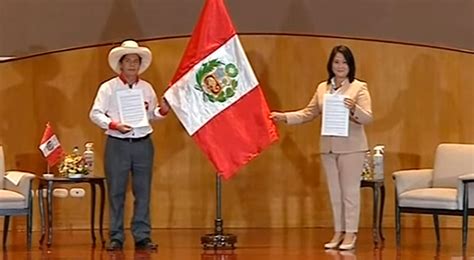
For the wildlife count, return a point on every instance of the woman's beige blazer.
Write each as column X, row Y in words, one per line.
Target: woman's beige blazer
column 357, row 140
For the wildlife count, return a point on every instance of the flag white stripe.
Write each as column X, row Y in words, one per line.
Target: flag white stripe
column 49, row 146
column 188, row 103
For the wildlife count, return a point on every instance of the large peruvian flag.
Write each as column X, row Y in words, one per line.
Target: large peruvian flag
column 50, row 146
column 217, row 97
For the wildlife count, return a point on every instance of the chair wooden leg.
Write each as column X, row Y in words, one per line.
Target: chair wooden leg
column 436, row 225
column 465, row 207
column 29, row 228
column 465, row 224
column 397, row 224
column 29, row 221
column 6, row 223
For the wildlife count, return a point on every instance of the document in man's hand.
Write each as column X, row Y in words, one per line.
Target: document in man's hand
column 335, row 116
column 132, row 107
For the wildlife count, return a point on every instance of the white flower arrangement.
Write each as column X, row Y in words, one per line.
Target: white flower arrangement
column 72, row 164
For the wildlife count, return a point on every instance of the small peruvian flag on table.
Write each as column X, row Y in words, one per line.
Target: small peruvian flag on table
column 50, row 146
column 217, row 97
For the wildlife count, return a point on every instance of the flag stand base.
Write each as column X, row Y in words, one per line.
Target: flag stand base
column 218, row 240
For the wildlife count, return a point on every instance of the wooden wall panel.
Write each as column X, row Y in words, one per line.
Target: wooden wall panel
column 421, row 97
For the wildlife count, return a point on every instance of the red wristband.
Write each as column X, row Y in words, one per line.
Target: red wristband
column 113, row 125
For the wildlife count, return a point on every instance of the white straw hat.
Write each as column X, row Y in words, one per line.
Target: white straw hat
column 129, row 47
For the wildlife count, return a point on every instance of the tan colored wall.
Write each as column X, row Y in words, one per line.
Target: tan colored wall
column 421, row 97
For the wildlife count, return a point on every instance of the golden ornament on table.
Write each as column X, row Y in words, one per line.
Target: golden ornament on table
column 73, row 165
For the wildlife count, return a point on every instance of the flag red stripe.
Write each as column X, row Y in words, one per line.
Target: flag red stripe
column 48, row 132
column 55, row 156
column 214, row 28
column 238, row 134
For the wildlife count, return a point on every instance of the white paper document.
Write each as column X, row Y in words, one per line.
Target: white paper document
column 335, row 116
column 132, row 108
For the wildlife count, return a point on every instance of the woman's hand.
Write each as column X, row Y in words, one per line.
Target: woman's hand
column 277, row 117
column 350, row 104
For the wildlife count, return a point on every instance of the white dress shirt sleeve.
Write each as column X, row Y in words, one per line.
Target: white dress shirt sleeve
column 98, row 113
column 154, row 111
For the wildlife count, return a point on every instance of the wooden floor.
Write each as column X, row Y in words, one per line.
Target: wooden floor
column 253, row 244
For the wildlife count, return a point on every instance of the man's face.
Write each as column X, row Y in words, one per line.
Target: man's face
column 130, row 64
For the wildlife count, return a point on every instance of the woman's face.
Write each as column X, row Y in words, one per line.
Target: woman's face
column 339, row 66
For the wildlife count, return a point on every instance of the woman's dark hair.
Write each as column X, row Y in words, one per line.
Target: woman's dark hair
column 346, row 52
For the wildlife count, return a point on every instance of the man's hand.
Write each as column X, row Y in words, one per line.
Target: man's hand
column 164, row 106
column 123, row 128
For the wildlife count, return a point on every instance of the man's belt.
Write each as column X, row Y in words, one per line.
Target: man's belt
column 131, row 139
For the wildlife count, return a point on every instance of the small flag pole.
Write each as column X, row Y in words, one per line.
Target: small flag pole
column 218, row 239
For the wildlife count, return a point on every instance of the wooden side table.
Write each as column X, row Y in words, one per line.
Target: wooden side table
column 48, row 184
column 378, row 189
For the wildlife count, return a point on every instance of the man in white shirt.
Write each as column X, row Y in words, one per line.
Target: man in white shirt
column 128, row 149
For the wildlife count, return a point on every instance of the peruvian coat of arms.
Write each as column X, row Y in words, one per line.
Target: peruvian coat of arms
column 216, row 80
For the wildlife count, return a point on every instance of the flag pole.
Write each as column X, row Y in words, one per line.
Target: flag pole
column 218, row 239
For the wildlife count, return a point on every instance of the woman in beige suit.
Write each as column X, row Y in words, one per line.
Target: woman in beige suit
column 342, row 157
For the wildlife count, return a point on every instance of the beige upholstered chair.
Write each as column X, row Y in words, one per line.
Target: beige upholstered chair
column 15, row 198
column 447, row 189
